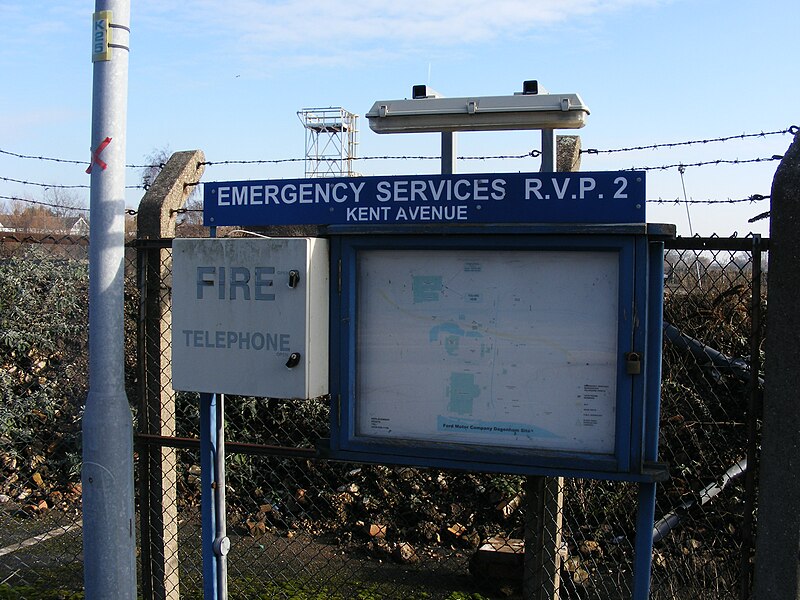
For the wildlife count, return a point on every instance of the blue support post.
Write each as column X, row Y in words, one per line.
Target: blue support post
column 221, row 542
column 647, row 491
column 208, row 431
column 643, row 550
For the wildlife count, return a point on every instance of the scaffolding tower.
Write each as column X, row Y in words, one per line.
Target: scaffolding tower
column 331, row 141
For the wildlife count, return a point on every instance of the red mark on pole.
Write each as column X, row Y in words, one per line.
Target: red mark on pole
column 96, row 156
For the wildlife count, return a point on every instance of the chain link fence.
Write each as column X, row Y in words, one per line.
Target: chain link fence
column 305, row 528
column 43, row 383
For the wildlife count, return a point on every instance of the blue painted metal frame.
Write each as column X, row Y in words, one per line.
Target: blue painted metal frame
column 633, row 433
column 643, row 551
column 208, row 451
column 209, row 416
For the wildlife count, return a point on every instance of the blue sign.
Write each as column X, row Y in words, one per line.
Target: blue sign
column 590, row 197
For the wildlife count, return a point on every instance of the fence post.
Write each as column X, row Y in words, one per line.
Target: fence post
column 544, row 496
column 156, row 220
column 544, row 503
column 753, row 417
column 777, row 568
column 568, row 153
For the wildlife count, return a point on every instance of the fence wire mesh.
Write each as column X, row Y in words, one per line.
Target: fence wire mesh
column 43, row 384
column 302, row 527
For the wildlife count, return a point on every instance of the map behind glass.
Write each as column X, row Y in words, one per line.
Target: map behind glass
column 503, row 348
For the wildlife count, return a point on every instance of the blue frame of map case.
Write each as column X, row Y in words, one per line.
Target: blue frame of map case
column 622, row 458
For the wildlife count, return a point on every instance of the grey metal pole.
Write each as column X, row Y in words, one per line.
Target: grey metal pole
column 548, row 151
column 448, row 152
column 109, row 544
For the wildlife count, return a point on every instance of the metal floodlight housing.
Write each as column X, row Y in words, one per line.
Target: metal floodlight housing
column 482, row 113
column 423, row 91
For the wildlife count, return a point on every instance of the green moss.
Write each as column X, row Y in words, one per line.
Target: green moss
column 349, row 590
column 28, row 592
column 255, row 590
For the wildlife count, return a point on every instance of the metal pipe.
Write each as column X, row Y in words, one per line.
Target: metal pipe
column 147, row 439
column 221, row 541
column 109, row 544
column 737, row 366
column 673, row 518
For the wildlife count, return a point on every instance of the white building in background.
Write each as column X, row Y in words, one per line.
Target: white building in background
column 44, row 224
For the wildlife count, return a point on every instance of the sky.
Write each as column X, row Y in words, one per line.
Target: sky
column 228, row 77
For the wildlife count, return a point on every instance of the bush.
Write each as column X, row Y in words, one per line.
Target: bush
column 43, row 380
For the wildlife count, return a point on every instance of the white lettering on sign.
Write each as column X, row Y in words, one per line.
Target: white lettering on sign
column 243, row 307
column 432, row 213
column 429, row 190
column 425, row 212
column 363, row 213
column 234, row 283
column 290, row 193
column 237, row 340
column 572, row 188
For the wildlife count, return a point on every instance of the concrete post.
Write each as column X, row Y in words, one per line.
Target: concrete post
column 544, row 496
column 158, row 214
column 777, row 568
column 544, row 504
column 568, row 153
column 156, row 220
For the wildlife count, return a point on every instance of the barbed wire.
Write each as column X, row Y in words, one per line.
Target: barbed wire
column 47, row 204
column 531, row 154
column 68, row 161
column 750, row 199
column 44, row 185
column 264, row 161
column 47, row 158
column 676, row 201
column 792, row 130
column 61, row 186
column 707, row 162
column 680, row 201
column 128, row 211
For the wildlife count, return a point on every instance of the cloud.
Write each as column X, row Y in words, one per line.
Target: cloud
column 326, row 29
column 39, row 30
column 18, row 125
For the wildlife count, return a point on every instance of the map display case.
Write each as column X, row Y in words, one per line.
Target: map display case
column 512, row 353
